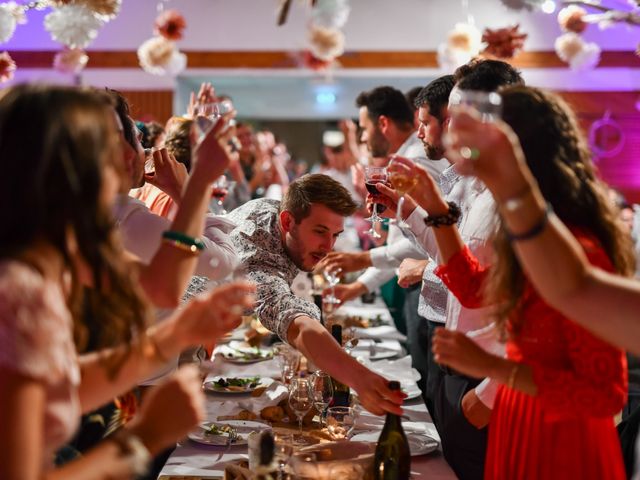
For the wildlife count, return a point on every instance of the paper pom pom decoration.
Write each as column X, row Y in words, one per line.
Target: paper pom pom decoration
column 72, row 25
column 70, row 60
column 160, row 56
column 330, row 14
column 503, row 42
column 463, row 43
column 170, row 24
column 326, row 43
column 522, row 4
column 10, row 15
column 571, row 19
column 106, row 9
column 309, row 60
column 7, row 67
column 579, row 54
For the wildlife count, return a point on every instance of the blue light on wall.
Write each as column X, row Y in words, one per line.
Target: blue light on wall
column 325, row 98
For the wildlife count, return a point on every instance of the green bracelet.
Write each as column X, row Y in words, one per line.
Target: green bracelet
column 181, row 238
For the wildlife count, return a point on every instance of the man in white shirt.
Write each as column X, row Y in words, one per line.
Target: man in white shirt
column 387, row 122
column 462, row 405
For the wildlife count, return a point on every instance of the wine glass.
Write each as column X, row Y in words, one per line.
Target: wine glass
column 283, row 451
column 340, row 422
column 207, row 114
column 290, row 363
column 322, row 390
column 333, row 278
column 221, row 188
column 300, row 401
column 403, row 183
column 487, row 104
column 373, row 176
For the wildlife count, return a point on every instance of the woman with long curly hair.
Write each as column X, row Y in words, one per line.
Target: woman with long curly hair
column 562, row 386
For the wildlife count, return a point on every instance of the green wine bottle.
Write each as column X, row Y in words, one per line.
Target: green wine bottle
column 341, row 392
column 392, row 460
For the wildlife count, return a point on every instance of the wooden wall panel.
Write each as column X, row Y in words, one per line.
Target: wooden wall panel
column 149, row 105
column 287, row 59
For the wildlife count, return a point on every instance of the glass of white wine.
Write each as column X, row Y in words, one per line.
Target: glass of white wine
column 403, row 183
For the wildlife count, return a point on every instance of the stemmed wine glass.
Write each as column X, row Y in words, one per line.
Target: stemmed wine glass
column 300, row 401
column 221, row 188
column 322, row 391
column 373, row 176
column 283, row 451
column 333, row 278
column 403, row 183
column 206, row 114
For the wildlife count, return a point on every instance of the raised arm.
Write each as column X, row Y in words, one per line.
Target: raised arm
column 552, row 259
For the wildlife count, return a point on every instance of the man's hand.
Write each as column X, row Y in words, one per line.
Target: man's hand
column 410, row 271
column 476, row 412
column 347, row 261
column 348, row 291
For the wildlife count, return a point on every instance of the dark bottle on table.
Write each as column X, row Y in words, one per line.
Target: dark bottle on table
column 266, row 468
column 341, row 392
column 392, row 460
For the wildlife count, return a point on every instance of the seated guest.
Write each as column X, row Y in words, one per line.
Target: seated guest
column 142, row 230
column 275, row 240
column 66, row 184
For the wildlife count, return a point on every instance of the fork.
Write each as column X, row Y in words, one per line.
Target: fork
column 231, row 439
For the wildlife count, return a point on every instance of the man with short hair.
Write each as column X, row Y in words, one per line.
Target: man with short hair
column 388, row 128
column 275, row 240
column 461, row 405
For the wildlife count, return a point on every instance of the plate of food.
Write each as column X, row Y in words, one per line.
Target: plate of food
column 244, row 354
column 232, row 384
column 235, row 432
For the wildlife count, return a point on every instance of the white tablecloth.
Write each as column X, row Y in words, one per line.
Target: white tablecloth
column 192, row 460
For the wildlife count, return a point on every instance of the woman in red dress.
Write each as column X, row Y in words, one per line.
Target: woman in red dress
column 562, row 386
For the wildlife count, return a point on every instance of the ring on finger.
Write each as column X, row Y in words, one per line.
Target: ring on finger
column 469, row 153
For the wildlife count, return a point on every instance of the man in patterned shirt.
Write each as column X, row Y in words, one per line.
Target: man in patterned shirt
column 275, row 241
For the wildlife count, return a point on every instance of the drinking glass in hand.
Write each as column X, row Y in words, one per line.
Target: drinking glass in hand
column 300, row 399
column 487, row 104
column 403, row 183
column 373, row 176
column 207, row 114
column 322, row 391
column 221, row 188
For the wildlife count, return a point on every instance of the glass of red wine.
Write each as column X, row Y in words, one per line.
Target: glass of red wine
column 373, row 176
column 221, row 188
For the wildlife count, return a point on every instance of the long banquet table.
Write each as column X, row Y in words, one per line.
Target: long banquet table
column 192, row 461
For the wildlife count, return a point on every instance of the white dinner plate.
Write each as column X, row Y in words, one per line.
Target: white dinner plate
column 243, row 427
column 212, row 386
column 244, row 355
column 419, row 443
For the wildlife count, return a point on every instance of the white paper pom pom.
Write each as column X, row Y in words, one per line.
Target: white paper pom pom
column 10, row 15
column 579, row 54
column 464, row 42
column 160, row 56
column 72, row 25
column 451, row 58
column 326, row 43
column 70, row 60
column 330, row 13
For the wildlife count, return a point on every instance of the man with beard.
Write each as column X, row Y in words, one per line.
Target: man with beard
column 275, row 240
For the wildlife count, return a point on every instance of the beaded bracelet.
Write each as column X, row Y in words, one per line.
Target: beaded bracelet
column 534, row 231
column 183, row 242
column 450, row 218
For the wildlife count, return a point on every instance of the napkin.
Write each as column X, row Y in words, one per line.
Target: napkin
column 399, row 370
column 384, row 331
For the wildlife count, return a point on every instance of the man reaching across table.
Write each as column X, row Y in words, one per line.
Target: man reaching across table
column 275, row 240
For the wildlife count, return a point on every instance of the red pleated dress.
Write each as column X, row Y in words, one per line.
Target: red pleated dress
column 567, row 430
